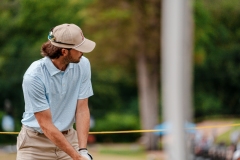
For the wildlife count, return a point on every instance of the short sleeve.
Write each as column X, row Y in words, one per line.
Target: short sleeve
column 34, row 94
column 85, row 83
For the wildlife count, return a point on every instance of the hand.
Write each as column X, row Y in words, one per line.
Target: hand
column 84, row 152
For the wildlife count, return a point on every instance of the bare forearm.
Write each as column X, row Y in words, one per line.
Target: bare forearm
column 82, row 125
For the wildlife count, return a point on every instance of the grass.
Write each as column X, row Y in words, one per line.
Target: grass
column 225, row 137
column 122, row 150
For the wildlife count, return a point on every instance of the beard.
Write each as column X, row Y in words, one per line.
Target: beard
column 70, row 59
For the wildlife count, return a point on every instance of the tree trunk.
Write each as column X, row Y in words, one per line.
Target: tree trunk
column 148, row 98
column 147, row 60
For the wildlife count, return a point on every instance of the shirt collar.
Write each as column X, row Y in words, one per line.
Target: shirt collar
column 52, row 69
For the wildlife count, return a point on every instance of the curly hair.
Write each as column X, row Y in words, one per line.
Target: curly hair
column 50, row 50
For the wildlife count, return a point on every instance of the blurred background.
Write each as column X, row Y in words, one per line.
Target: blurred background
column 126, row 70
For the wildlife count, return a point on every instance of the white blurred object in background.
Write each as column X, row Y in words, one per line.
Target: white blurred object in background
column 8, row 123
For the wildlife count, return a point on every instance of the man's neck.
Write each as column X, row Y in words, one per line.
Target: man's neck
column 59, row 64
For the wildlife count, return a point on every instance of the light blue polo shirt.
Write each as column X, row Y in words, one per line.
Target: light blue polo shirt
column 45, row 86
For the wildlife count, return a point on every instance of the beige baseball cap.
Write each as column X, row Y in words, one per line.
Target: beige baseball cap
column 70, row 36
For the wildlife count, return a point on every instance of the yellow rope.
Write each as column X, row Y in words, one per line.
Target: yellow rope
column 153, row 130
column 129, row 131
column 9, row 132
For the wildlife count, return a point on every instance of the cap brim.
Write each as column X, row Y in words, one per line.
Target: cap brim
column 86, row 47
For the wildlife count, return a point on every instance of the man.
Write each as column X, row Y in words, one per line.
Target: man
column 56, row 90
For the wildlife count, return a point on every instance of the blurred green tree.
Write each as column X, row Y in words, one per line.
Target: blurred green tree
column 128, row 35
column 217, row 49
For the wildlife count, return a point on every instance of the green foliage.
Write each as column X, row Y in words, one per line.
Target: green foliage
column 1, row 117
column 204, row 31
column 217, row 57
column 117, row 122
column 112, row 94
column 207, row 103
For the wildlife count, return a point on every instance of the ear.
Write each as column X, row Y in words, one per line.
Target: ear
column 64, row 52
